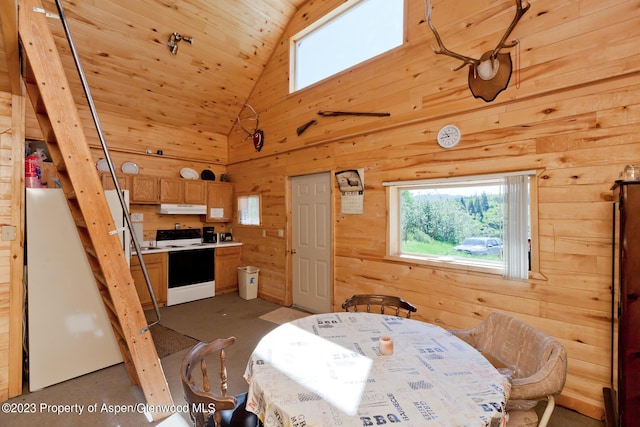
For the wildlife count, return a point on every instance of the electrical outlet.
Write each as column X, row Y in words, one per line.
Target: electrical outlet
column 264, row 233
column 137, row 217
column 281, row 233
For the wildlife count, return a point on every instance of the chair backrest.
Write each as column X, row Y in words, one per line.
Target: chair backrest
column 395, row 306
column 536, row 361
column 196, row 387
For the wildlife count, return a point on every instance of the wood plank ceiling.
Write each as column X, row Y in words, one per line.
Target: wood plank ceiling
column 131, row 71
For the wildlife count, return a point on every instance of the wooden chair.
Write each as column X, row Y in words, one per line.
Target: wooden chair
column 396, row 305
column 535, row 362
column 205, row 407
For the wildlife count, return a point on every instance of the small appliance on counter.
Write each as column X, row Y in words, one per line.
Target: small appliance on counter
column 208, row 235
column 226, row 237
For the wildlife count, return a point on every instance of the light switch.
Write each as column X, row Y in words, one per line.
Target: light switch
column 281, row 233
column 8, row 232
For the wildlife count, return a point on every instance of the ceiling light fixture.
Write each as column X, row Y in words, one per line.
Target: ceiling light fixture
column 174, row 38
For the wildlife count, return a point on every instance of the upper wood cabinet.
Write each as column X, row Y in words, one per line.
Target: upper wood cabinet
column 147, row 189
column 195, row 192
column 124, row 181
column 171, row 190
column 187, row 191
column 219, row 202
column 144, row 189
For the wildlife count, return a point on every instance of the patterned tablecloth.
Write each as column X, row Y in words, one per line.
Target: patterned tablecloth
column 326, row 370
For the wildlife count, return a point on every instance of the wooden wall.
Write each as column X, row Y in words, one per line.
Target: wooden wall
column 572, row 112
column 11, row 249
column 128, row 140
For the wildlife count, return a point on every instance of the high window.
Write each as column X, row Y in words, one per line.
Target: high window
column 480, row 223
column 351, row 34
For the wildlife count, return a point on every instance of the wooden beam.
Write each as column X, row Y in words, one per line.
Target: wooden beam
column 9, row 24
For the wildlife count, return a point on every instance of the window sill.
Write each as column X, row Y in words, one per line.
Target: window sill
column 462, row 265
column 449, row 262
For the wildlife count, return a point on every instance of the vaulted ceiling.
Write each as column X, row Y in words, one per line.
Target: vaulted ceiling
column 122, row 45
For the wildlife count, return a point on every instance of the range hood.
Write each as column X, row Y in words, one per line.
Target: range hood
column 174, row 209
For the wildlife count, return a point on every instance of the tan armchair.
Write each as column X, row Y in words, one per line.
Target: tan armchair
column 535, row 362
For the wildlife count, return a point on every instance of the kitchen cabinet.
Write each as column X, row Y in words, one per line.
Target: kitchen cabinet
column 183, row 191
column 147, row 189
column 124, row 181
column 624, row 394
column 171, row 190
column 219, row 202
column 144, row 189
column 157, row 270
column 227, row 261
column 195, row 192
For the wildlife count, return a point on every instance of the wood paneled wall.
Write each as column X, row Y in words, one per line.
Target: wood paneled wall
column 572, row 112
column 11, row 249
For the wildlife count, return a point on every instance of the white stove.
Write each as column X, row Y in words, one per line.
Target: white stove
column 178, row 238
column 191, row 272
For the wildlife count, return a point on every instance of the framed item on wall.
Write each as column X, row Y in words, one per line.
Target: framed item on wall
column 351, row 184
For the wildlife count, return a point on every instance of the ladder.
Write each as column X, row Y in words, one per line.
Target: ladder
column 48, row 89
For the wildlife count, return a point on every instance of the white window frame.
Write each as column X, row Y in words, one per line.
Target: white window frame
column 515, row 265
column 245, row 202
column 319, row 25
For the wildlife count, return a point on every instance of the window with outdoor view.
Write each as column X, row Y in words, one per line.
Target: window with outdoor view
column 481, row 222
column 249, row 210
column 351, row 34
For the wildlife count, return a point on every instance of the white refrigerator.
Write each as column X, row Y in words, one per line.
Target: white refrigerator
column 69, row 333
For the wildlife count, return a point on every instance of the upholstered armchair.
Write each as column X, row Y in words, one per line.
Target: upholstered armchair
column 535, row 362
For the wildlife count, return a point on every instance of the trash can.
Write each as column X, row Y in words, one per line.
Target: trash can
column 248, row 281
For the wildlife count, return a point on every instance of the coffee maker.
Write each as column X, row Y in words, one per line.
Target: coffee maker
column 208, row 235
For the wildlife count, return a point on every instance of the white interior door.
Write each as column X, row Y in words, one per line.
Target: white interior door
column 311, row 242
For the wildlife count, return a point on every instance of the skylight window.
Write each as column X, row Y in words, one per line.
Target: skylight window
column 359, row 30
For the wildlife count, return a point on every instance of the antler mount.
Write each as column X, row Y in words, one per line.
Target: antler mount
column 490, row 74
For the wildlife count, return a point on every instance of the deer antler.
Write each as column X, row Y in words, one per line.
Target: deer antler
column 487, row 66
column 257, row 119
column 519, row 12
column 466, row 60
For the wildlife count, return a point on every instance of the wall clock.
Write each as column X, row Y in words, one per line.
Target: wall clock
column 449, row 136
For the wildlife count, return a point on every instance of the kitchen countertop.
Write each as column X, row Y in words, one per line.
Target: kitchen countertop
column 154, row 250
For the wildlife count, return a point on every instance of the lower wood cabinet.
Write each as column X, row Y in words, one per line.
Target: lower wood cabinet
column 227, row 263
column 156, row 265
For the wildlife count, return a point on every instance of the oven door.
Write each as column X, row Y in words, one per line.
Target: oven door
column 191, row 275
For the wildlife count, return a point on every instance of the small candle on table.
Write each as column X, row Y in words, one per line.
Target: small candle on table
column 385, row 346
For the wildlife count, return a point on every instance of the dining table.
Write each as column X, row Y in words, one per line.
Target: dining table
column 366, row 369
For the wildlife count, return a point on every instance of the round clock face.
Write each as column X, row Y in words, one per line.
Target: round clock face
column 449, row 136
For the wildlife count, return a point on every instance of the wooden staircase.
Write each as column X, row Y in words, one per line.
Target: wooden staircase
column 59, row 120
